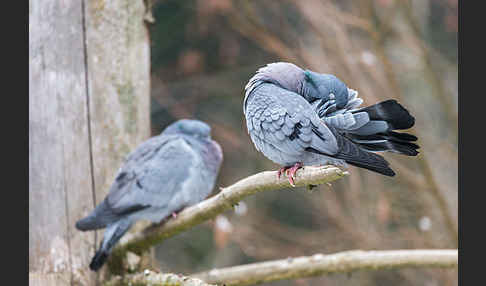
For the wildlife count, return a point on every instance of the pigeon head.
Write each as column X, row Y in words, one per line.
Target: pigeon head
column 308, row 84
column 191, row 127
column 283, row 74
column 326, row 87
column 286, row 75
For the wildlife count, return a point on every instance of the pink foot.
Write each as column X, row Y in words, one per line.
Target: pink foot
column 290, row 172
column 174, row 215
column 280, row 172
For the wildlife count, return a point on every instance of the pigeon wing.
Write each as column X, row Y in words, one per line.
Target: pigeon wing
column 152, row 175
column 286, row 121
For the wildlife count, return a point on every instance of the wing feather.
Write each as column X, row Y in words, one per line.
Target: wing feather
column 155, row 179
column 286, row 122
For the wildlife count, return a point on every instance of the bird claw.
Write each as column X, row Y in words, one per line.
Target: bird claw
column 280, row 171
column 290, row 172
column 291, row 176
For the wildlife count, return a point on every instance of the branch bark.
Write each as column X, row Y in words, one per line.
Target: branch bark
column 320, row 264
column 225, row 200
column 152, row 278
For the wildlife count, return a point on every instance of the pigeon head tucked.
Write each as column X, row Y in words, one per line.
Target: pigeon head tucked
column 299, row 117
column 189, row 127
column 162, row 176
column 285, row 75
column 326, row 87
column 310, row 85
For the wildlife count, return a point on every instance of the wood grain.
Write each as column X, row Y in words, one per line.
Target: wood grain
column 89, row 79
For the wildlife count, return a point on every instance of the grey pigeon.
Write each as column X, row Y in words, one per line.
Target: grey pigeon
column 299, row 117
column 163, row 175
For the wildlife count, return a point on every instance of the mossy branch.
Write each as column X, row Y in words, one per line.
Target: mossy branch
column 319, row 264
column 225, row 200
column 298, row 267
column 159, row 279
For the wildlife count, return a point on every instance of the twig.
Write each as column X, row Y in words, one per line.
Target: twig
column 225, row 200
column 320, row 264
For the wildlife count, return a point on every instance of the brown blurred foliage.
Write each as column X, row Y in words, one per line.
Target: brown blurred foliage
column 204, row 52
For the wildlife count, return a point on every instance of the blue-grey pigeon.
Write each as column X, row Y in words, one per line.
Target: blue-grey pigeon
column 299, row 117
column 163, row 175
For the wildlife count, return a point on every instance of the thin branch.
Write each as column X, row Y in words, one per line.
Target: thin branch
column 225, row 200
column 151, row 278
column 320, row 264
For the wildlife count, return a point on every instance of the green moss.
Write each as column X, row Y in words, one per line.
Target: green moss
column 115, row 263
column 96, row 9
column 127, row 99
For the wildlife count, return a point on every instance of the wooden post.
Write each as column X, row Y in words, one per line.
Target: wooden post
column 89, row 91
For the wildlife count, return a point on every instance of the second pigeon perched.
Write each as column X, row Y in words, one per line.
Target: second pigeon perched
column 163, row 175
column 298, row 117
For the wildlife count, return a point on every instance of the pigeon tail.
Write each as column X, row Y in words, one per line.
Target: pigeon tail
column 112, row 235
column 390, row 111
column 98, row 260
column 376, row 139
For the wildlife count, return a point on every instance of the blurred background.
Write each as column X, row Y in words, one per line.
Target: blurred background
column 203, row 52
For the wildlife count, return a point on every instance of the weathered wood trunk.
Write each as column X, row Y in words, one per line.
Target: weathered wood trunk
column 89, row 75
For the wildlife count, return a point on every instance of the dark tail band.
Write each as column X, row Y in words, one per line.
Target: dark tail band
column 98, row 260
column 396, row 118
column 112, row 235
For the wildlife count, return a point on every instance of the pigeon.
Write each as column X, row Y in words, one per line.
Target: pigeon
column 298, row 117
column 163, row 175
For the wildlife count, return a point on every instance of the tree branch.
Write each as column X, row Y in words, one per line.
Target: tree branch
column 152, row 278
column 320, row 264
column 225, row 200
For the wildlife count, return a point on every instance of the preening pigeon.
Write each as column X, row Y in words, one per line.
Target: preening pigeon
column 299, row 117
column 163, row 175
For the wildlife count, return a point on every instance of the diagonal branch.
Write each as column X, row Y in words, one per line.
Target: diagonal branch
column 151, row 278
column 320, row 264
column 225, row 200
